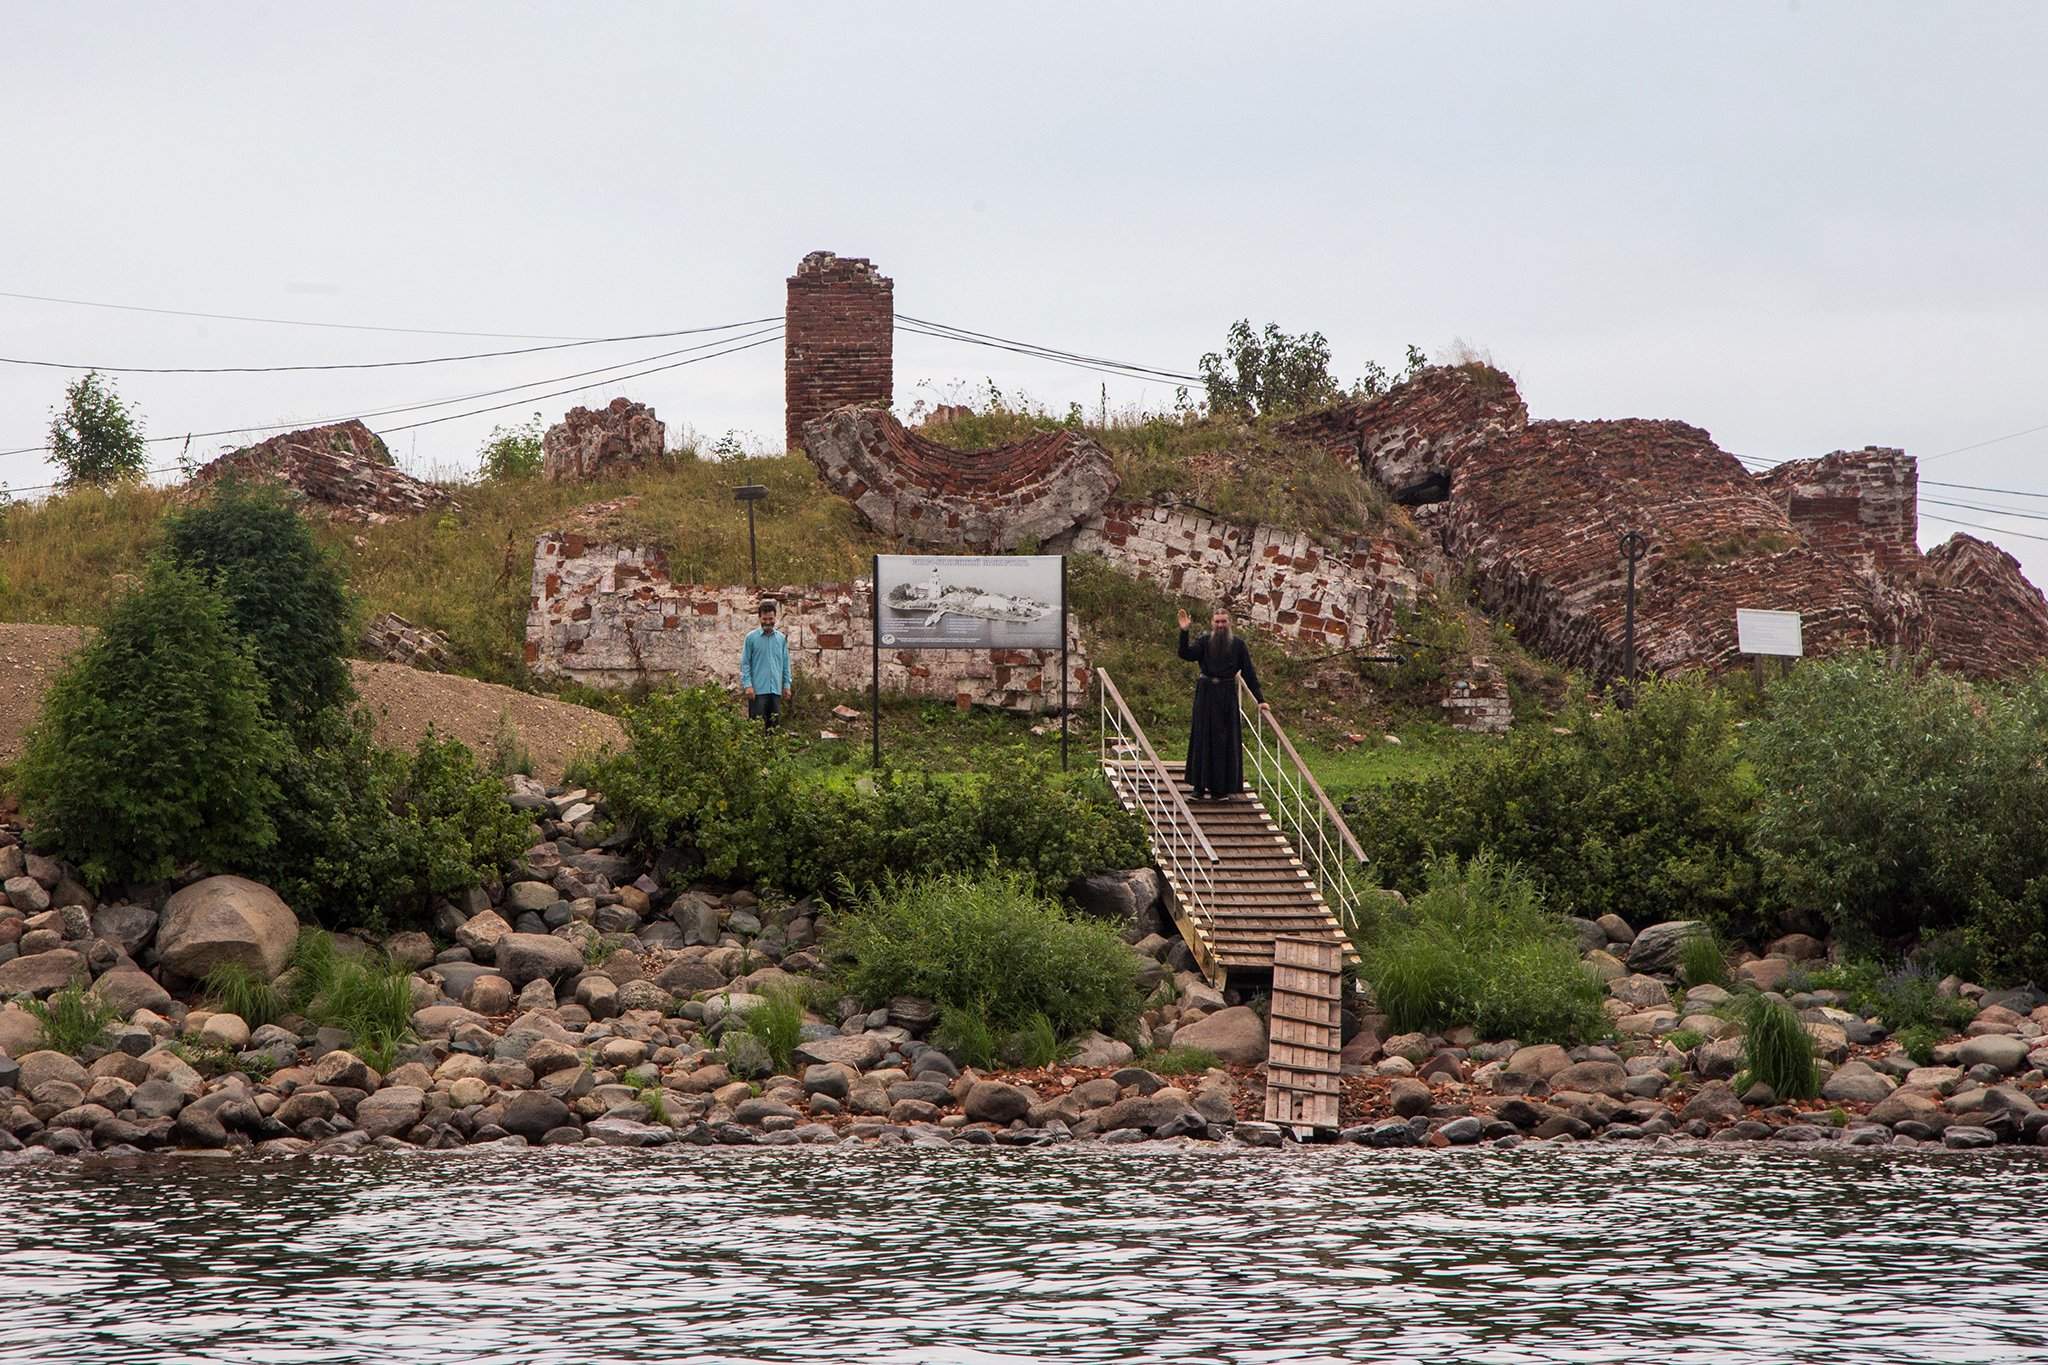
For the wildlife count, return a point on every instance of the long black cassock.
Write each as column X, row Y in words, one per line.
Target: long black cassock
column 1216, row 732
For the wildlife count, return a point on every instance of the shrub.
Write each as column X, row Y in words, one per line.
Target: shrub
column 987, row 945
column 1900, row 805
column 1645, row 813
column 1702, row 961
column 367, row 836
column 233, row 987
column 72, row 1019
column 1902, row 999
column 94, row 438
column 512, row 452
column 1477, row 948
column 284, row 593
column 1777, row 1050
column 153, row 747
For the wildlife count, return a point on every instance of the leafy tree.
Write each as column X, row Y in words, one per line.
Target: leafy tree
column 1268, row 371
column 512, row 452
column 95, row 438
column 284, row 592
column 154, row 747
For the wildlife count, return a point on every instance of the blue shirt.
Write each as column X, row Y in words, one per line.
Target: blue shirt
column 764, row 662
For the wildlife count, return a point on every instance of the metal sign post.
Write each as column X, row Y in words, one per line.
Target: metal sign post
column 875, row 676
column 751, row 493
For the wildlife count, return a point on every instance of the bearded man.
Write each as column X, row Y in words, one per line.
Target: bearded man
column 1216, row 734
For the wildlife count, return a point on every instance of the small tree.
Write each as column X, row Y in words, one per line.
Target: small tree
column 512, row 452
column 95, row 438
column 153, row 748
column 1268, row 371
column 284, row 593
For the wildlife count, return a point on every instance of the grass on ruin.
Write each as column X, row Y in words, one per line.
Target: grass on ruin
column 72, row 1019
column 63, row 559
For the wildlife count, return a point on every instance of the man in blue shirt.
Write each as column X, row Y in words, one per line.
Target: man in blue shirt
column 764, row 668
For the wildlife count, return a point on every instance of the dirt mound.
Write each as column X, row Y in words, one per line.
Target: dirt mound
column 403, row 700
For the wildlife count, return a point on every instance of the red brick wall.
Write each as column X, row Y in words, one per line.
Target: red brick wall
column 838, row 339
column 1861, row 505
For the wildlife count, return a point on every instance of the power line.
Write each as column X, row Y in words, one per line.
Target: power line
column 1102, row 365
column 1979, row 445
column 286, row 322
column 291, row 423
column 378, row 364
column 1979, row 526
column 1994, row 511
column 1980, row 488
column 1057, row 360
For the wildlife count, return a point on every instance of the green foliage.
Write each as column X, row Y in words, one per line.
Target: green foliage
column 695, row 774
column 367, row 836
column 508, row 753
column 1272, row 372
column 1777, row 1050
column 1477, row 948
column 236, row 989
column 211, row 1059
column 153, row 747
column 1918, row 1040
column 1685, row 1039
column 965, row 1035
column 512, row 452
column 1644, row 813
column 72, row 1019
column 284, row 593
column 1702, row 961
column 985, row 944
column 1900, row 999
column 1899, row 804
column 1033, row 1045
column 367, row 996
column 1179, row 1061
column 778, row 1022
column 95, row 438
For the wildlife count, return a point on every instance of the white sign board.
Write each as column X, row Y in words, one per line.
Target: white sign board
column 968, row 601
column 1772, row 633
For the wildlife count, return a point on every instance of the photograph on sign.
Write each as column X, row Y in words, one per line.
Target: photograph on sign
column 1774, row 634
column 968, row 601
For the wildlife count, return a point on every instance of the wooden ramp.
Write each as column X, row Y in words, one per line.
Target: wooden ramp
column 1306, row 1032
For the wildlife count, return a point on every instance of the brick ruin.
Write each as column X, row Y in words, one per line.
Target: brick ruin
column 610, row 615
column 1534, row 510
column 344, row 471
column 596, row 443
column 934, row 497
column 839, row 329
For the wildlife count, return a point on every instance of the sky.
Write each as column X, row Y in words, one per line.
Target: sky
column 1804, row 227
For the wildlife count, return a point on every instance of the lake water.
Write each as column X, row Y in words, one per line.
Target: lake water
column 1085, row 1253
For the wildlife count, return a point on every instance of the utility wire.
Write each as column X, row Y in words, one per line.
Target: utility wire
column 1050, row 352
column 1994, row 511
column 286, row 322
column 377, row 364
column 292, row 423
column 1979, row 526
column 1056, row 359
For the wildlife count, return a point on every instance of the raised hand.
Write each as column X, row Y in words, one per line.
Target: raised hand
column 1185, row 619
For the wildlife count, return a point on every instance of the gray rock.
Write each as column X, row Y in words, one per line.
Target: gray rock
column 2000, row 1050
column 1714, row 1103
column 1097, row 1049
column 130, row 927
column 1596, row 1078
column 41, row 974
column 526, row 958
column 1460, row 1132
column 748, row 1057
column 1234, row 1034
column 1409, row 1097
column 1657, row 948
column 1639, row 990
column 623, row 1132
column 1131, row 900
column 532, row 1114
column 482, row 932
column 1855, row 1083
column 1542, row 1060
column 1616, row 928
column 39, row 1069
column 26, row 894
column 1591, row 936
column 226, row 920
column 128, row 989
column 996, row 1102
column 861, row 1051
column 391, row 1111
column 530, row 897
column 1963, row 1137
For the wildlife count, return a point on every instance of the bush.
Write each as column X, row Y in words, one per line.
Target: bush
column 1644, row 813
column 284, row 593
column 1777, row 1050
column 985, row 946
column 72, row 1019
column 367, row 836
column 1899, row 805
column 235, row 988
column 366, row 996
column 1904, row 999
column 512, row 452
column 94, row 438
column 153, row 748
column 1476, row 948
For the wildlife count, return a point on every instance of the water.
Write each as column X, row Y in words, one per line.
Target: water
column 587, row 1257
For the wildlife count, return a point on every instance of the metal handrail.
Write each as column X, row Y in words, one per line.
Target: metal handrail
column 1180, row 843
column 1322, row 840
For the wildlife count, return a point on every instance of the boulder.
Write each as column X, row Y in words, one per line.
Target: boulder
column 1907, row 1105
column 860, row 1051
column 1097, row 1049
column 39, row 1069
column 390, row 1111
column 1234, row 1034
column 128, row 989
column 1130, row 900
column 687, row 976
column 1856, row 1083
column 20, row 1031
column 128, row 927
column 1639, row 990
column 531, row 1114
column 1656, row 949
column 2007, row 1053
column 1596, row 1078
column 1714, row 1103
column 1541, row 1060
column 996, row 1102
column 41, row 974
column 480, row 933
column 226, row 920
column 524, row 958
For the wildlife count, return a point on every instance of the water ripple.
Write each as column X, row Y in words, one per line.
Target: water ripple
column 1595, row 1253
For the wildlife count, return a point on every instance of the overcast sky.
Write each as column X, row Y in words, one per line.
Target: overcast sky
column 1802, row 226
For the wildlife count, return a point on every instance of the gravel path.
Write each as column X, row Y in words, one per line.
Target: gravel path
column 403, row 700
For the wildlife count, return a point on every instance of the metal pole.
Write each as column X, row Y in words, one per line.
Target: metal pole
column 753, row 563
column 1063, row 663
column 875, row 675
column 1634, row 545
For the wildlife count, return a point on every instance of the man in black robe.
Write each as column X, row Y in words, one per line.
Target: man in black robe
column 1216, row 733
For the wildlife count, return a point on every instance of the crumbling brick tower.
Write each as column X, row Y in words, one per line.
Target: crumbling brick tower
column 838, row 339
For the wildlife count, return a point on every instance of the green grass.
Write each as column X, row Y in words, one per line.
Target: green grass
column 212, row 1059
column 1685, row 1039
column 1918, row 1041
column 965, row 1035
column 370, row 998
column 778, row 1022
column 1901, row 1000
column 72, row 1019
column 1035, row 1044
column 236, row 989
column 1777, row 1050
column 1702, row 961
column 1179, row 1061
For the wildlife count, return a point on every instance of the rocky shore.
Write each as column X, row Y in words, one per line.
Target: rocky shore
column 581, row 1001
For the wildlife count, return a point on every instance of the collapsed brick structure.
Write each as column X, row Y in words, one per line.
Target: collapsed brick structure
column 343, row 470
column 838, row 339
column 396, row 640
column 934, row 497
column 1534, row 511
column 595, row 443
column 610, row 615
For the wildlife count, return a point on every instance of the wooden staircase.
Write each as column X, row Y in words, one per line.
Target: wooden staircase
column 1251, row 910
